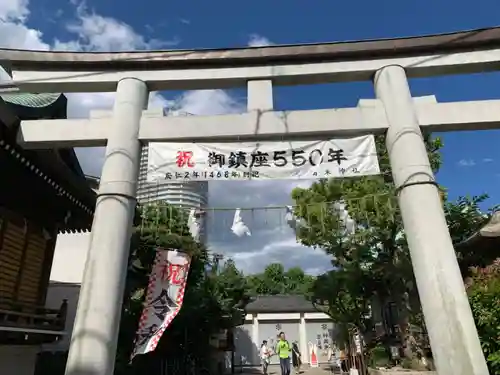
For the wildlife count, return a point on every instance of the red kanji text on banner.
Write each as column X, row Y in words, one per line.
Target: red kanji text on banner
column 164, row 298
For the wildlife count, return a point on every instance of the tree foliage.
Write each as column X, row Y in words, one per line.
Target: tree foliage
column 483, row 289
column 229, row 287
column 369, row 252
column 208, row 301
column 275, row 280
column 370, row 261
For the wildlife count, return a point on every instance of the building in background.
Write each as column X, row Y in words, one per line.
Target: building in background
column 267, row 316
column 185, row 194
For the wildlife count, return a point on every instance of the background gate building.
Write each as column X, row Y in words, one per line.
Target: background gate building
column 267, row 316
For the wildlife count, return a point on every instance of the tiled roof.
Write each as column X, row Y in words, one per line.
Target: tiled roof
column 31, row 100
column 484, row 242
column 490, row 232
column 280, row 303
column 58, row 167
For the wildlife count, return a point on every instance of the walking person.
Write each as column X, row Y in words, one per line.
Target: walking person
column 344, row 366
column 296, row 357
column 283, row 350
column 265, row 354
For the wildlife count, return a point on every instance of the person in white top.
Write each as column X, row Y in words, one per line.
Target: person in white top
column 265, row 354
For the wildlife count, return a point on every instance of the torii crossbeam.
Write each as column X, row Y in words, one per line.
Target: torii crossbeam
column 367, row 118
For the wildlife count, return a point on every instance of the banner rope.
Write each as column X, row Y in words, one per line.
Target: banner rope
column 164, row 204
column 344, row 215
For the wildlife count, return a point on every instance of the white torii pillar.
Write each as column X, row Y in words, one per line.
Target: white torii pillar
column 453, row 336
column 95, row 333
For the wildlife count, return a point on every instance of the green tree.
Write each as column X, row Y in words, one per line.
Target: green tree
column 229, row 287
column 206, row 304
column 483, row 289
column 159, row 226
column 372, row 262
column 297, row 282
column 271, row 281
column 275, row 280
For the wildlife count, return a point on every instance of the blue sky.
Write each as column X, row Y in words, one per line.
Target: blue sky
column 471, row 159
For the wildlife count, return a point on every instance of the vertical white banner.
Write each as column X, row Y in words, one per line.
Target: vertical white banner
column 313, row 354
column 164, row 298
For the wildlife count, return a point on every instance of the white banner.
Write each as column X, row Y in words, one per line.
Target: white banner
column 313, row 354
column 344, row 157
column 164, row 297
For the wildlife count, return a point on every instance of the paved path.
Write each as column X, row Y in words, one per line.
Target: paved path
column 275, row 370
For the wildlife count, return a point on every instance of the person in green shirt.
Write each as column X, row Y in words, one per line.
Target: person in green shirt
column 283, row 350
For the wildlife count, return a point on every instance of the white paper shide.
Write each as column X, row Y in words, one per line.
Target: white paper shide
column 239, row 228
column 164, row 298
column 343, row 157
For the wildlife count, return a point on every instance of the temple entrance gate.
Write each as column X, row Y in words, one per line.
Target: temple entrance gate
column 448, row 317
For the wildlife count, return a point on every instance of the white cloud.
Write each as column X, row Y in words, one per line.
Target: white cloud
column 466, row 163
column 14, row 10
column 487, row 160
column 256, row 40
column 287, row 252
column 93, row 32
column 272, row 240
column 208, row 102
column 13, row 32
column 97, row 33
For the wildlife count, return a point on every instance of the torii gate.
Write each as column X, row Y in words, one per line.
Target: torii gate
column 448, row 317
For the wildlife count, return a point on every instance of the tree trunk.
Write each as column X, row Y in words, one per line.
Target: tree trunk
column 412, row 339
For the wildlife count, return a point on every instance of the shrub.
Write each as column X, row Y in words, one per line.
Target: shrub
column 483, row 289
